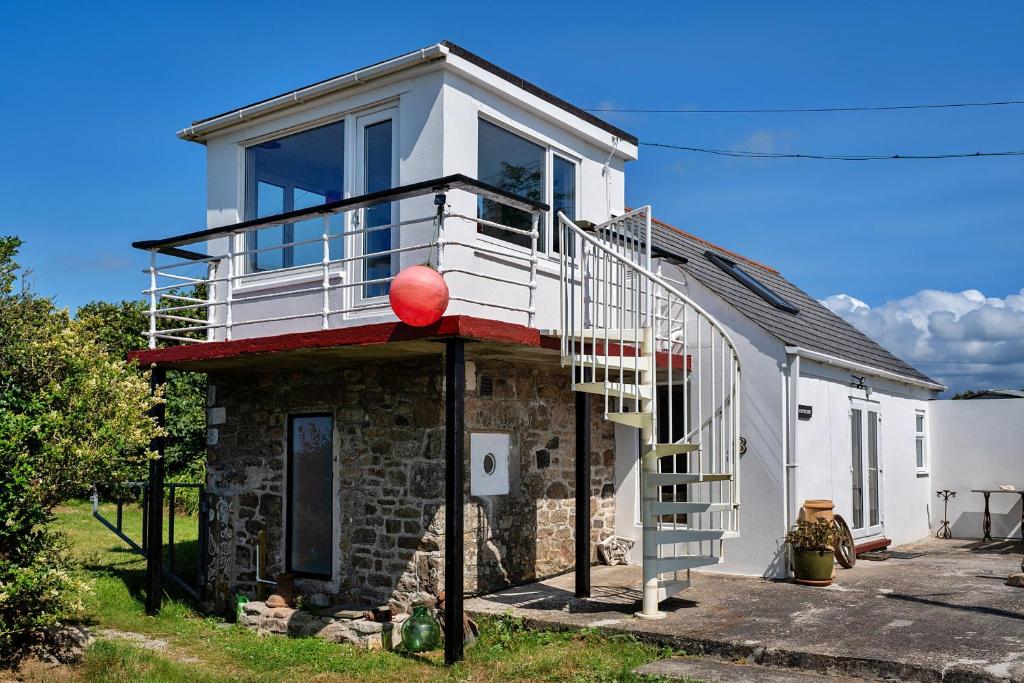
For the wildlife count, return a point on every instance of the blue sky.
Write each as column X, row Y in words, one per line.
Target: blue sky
column 91, row 100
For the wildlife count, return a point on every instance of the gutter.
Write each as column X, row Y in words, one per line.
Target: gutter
column 835, row 361
column 197, row 132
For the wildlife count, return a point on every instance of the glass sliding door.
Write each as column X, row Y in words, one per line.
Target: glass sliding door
column 857, row 466
column 377, row 140
column 874, row 514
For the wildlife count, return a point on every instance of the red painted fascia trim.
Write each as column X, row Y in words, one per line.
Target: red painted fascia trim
column 468, row 327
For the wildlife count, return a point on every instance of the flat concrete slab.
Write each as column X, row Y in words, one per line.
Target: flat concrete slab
column 714, row 671
column 945, row 615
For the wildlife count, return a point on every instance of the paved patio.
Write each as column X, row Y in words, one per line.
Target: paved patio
column 946, row 615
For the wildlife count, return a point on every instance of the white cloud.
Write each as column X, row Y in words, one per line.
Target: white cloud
column 965, row 340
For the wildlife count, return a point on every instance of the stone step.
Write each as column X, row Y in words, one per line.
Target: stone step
column 716, row 671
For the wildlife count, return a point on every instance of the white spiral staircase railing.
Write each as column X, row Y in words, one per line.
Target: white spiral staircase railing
column 667, row 368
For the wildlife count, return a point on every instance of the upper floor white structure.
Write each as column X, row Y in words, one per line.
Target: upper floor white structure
column 318, row 197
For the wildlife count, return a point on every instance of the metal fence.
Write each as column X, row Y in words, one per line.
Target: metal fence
column 193, row 585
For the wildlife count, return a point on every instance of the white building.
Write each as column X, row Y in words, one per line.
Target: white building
column 319, row 197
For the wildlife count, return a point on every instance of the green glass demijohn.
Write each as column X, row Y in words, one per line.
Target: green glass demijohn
column 420, row 632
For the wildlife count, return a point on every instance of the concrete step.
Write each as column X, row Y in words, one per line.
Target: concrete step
column 717, row 671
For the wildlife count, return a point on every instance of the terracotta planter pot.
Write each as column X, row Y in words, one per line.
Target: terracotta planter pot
column 813, row 567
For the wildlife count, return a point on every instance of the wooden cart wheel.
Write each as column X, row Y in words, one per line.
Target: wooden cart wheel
column 844, row 551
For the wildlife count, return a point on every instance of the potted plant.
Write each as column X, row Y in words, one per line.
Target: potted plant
column 813, row 555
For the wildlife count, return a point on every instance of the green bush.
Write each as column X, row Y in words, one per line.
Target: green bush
column 70, row 415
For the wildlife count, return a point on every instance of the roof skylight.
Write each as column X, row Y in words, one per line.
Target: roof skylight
column 751, row 283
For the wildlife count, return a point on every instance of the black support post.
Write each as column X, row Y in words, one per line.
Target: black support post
column 155, row 501
column 583, row 493
column 454, row 443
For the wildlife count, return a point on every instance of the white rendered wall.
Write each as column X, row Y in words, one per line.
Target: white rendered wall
column 977, row 444
column 824, row 449
column 419, row 137
column 759, row 550
column 599, row 194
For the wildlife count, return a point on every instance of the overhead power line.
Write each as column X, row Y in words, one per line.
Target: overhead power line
column 895, row 107
column 748, row 154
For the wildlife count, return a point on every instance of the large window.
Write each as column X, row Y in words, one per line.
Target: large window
column 287, row 174
column 515, row 165
column 310, row 524
column 920, row 442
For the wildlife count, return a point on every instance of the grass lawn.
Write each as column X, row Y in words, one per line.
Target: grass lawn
column 182, row 645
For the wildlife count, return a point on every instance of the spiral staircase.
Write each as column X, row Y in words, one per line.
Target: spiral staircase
column 667, row 368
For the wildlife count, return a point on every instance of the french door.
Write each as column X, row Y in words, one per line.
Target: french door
column 376, row 170
column 866, row 470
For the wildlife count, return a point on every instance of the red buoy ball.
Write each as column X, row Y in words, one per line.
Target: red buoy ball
column 419, row 296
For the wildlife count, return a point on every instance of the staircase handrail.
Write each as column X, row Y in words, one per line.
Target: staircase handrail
column 653, row 277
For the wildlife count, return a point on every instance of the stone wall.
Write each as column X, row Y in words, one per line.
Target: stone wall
column 389, row 452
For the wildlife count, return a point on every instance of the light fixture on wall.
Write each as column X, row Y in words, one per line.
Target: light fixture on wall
column 858, row 383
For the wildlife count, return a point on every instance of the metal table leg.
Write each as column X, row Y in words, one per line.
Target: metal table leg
column 986, row 523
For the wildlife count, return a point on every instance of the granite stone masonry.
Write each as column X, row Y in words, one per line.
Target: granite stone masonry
column 389, row 476
column 339, row 627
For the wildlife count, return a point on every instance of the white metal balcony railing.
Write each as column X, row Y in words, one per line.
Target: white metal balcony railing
column 196, row 297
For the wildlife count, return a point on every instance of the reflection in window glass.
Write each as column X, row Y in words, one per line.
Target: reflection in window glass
column 290, row 173
column 310, row 489
column 873, row 468
column 563, row 195
column 858, row 471
column 378, row 173
column 515, row 165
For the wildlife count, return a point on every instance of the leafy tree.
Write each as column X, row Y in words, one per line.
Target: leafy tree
column 120, row 327
column 70, row 414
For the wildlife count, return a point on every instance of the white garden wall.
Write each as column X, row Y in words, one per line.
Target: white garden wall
column 978, row 444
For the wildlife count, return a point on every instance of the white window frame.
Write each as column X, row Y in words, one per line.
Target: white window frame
column 867, row 406
column 296, row 275
column 921, row 437
column 552, row 218
column 357, row 219
column 550, row 152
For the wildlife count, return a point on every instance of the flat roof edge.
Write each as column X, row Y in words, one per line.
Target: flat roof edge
column 199, row 129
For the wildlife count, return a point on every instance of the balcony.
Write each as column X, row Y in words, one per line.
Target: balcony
column 329, row 266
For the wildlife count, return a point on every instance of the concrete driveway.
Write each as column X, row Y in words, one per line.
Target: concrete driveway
column 946, row 615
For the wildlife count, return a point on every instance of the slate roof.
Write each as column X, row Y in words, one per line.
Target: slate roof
column 815, row 327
